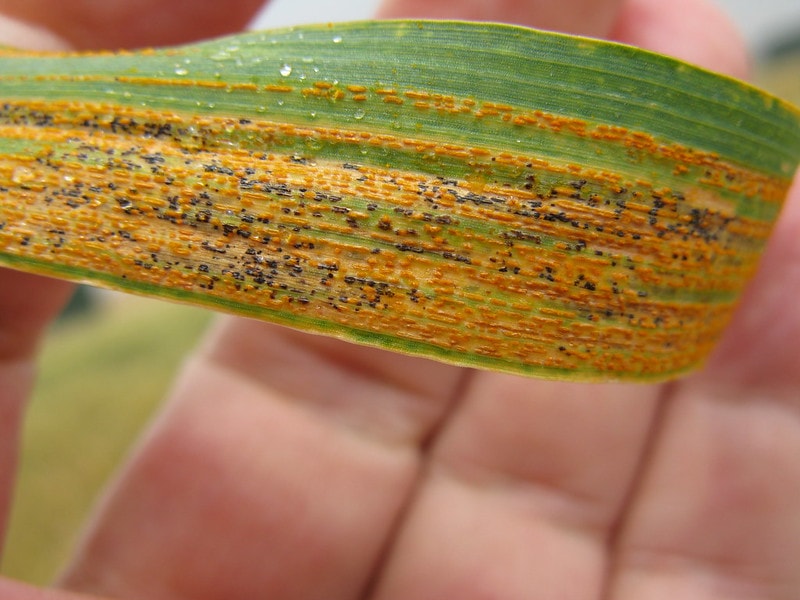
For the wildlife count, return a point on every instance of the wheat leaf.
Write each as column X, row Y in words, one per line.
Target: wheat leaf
column 482, row 194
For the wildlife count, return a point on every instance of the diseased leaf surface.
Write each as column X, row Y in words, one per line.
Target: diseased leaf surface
column 483, row 194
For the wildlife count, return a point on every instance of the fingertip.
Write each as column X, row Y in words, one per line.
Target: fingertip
column 88, row 24
column 580, row 17
column 27, row 36
column 696, row 31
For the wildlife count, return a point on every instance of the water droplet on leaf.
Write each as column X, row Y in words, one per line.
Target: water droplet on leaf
column 23, row 175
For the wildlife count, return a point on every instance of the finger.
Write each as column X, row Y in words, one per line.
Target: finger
column 525, row 483
column 273, row 441
column 384, row 398
column 292, row 455
column 133, row 23
column 587, row 17
column 18, row 34
column 693, row 30
column 524, row 487
column 27, row 304
column 717, row 515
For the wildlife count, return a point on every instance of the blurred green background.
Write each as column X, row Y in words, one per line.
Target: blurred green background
column 104, row 371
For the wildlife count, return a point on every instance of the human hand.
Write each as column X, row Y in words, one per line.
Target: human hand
column 293, row 466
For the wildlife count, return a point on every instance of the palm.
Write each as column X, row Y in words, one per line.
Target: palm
column 291, row 466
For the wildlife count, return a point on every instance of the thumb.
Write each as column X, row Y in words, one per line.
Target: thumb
column 27, row 304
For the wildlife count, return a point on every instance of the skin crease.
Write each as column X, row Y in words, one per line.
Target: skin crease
column 297, row 467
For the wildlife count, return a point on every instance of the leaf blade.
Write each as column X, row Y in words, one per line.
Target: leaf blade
column 560, row 226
